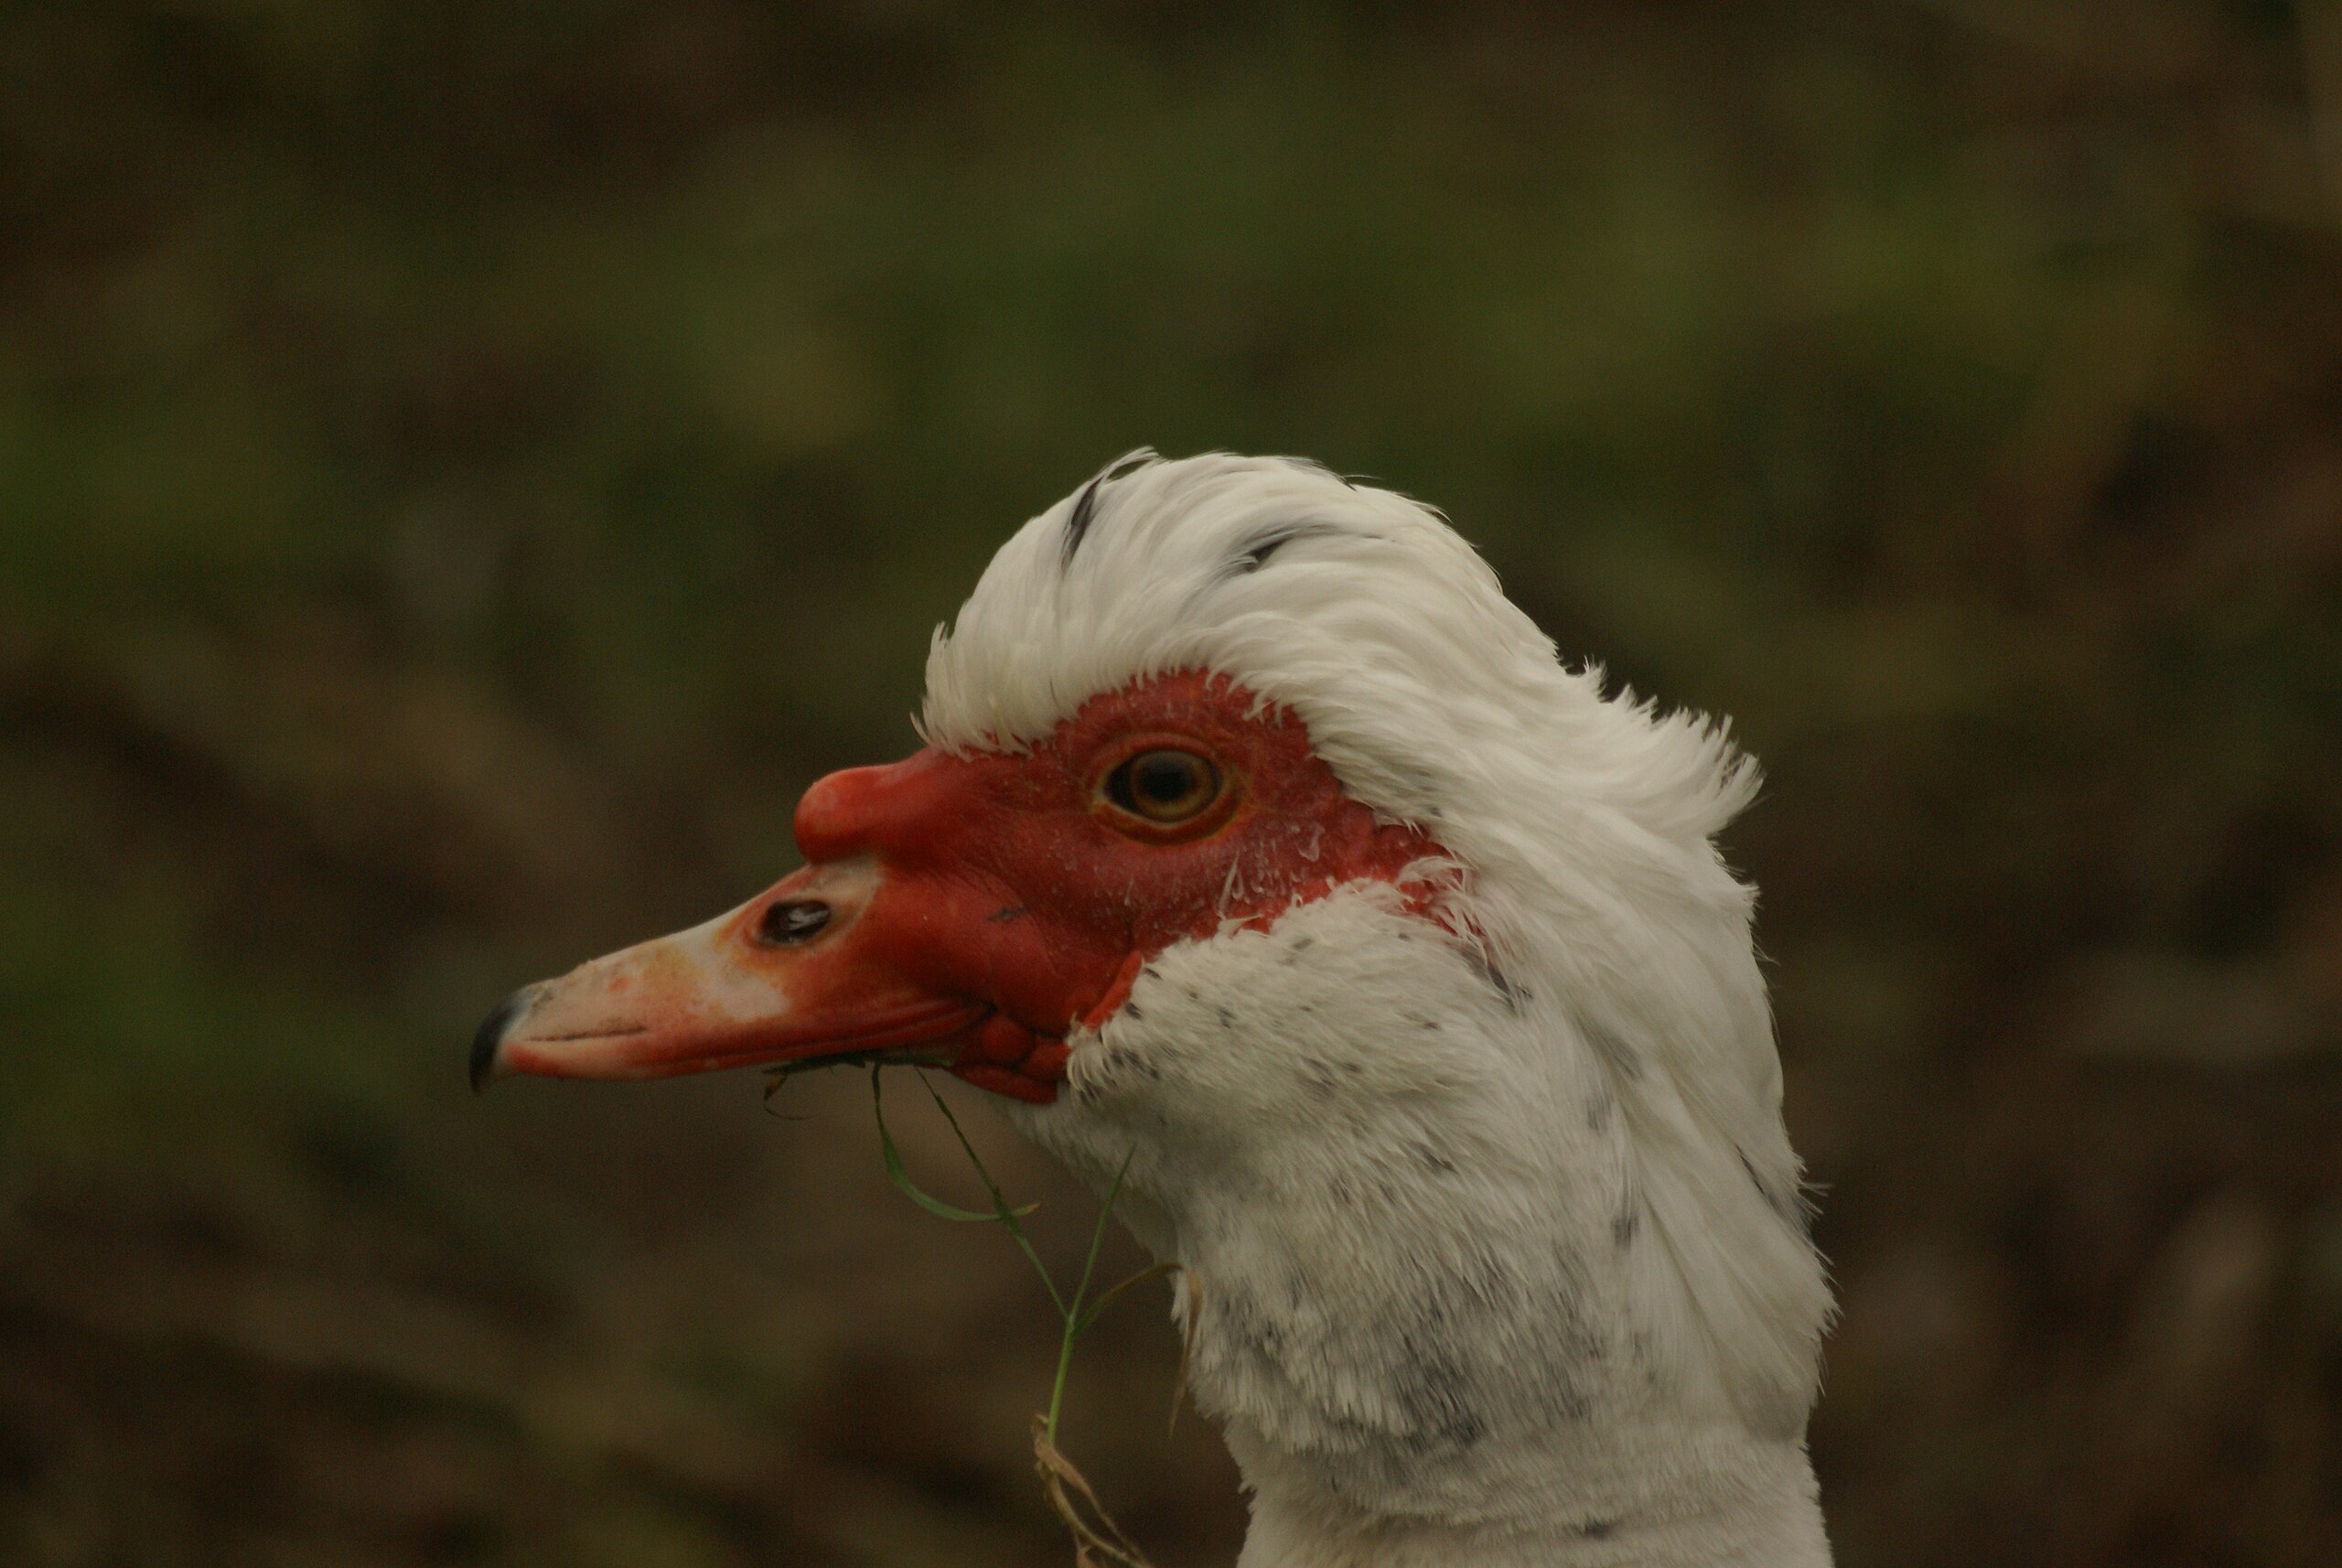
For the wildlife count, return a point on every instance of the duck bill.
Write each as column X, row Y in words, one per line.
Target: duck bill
column 803, row 972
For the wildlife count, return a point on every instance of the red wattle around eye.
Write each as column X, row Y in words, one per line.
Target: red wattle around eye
column 979, row 908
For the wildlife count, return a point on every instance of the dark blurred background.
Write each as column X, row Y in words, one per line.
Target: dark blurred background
column 463, row 469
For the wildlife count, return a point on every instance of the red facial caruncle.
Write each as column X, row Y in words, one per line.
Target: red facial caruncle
column 975, row 910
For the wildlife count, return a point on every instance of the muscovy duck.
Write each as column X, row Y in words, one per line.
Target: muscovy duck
column 1263, row 851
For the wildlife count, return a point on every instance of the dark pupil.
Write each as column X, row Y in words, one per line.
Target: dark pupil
column 1164, row 780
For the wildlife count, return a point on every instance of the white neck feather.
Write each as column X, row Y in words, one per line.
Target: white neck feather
column 1440, row 1310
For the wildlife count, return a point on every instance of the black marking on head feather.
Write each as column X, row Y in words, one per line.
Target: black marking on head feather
column 1615, row 1054
column 1268, row 540
column 1085, row 505
column 1792, row 1212
column 1085, row 510
column 1498, row 980
column 1629, row 1217
column 1600, row 1109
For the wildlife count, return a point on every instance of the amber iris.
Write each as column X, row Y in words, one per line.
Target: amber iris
column 1164, row 786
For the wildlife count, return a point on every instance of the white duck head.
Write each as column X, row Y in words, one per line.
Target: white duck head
column 1261, row 844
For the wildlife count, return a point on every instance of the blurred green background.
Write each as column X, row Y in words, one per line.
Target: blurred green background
column 465, row 467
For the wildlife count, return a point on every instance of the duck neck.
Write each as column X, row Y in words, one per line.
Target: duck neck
column 1453, row 1299
column 1438, row 1406
column 1470, row 1383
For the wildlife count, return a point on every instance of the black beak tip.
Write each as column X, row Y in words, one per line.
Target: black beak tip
column 490, row 1038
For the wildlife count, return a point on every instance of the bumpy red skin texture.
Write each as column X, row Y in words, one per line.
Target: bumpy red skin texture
column 1010, row 882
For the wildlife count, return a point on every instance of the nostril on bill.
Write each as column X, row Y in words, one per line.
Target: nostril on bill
column 792, row 921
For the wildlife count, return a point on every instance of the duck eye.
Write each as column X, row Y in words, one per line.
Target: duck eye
column 1163, row 787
